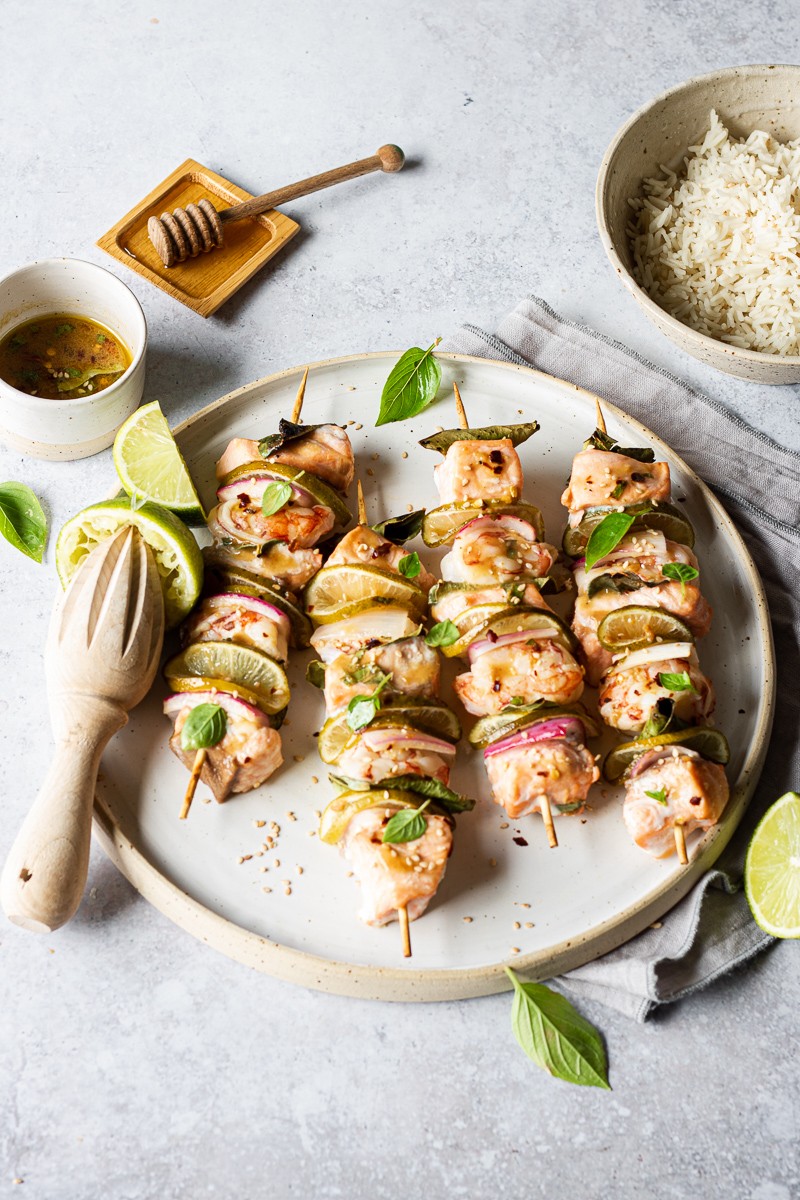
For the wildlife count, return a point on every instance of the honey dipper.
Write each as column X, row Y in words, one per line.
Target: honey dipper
column 101, row 657
column 186, row 232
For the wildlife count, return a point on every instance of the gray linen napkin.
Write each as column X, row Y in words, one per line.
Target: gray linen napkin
column 710, row 931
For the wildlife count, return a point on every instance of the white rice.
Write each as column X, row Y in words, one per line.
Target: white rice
column 718, row 246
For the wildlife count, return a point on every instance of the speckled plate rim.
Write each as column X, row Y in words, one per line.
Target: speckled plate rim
column 655, row 311
column 384, row 983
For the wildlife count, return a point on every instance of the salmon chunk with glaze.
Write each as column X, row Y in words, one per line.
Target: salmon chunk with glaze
column 479, row 470
column 670, row 787
column 602, row 477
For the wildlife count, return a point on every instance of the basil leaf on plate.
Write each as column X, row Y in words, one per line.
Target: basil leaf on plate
column 676, row 681
column 606, row 536
column 409, row 565
column 556, row 1037
column 444, row 438
column 403, row 528
column 412, row 384
column 22, row 520
column 406, row 825
column 444, row 796
column 276, row 496
column 443, row 633
column 204, row 727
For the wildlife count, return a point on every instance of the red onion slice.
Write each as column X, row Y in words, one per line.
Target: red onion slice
column 543, row 731
column 483, row 645
column 234, row 706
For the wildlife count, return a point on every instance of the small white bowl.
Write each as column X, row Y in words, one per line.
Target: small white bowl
column 70, row 429
column 746, row 98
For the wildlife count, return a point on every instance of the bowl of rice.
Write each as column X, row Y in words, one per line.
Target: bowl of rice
column 698, row 207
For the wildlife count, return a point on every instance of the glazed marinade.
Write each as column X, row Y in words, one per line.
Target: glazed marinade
column 62, row 356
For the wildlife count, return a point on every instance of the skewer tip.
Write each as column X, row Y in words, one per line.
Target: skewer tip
column 298, row 401
column 402, row 916
column 194, row 779
column 547, row 817
column 362, row 508
column 462, row 416
column 680, row 844
column 601, row 421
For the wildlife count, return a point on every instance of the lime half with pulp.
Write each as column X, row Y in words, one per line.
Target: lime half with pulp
column 151, row 467
column 177, row 555
column 772, row 869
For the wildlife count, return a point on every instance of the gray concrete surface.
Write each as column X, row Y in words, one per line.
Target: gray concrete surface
column 135, row 1063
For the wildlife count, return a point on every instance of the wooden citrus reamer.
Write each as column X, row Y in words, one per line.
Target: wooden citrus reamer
column 184, row 233
column 101, row 657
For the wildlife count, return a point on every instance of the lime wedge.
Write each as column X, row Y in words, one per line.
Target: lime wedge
column 177, row 555
column 150, row 465
column 772, row 869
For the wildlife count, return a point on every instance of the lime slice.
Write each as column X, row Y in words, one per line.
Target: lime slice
column 304, row 479
column 663, row 518
column 442, row 524
column 337, row 592
column 177, row 555
column 511, row 620
column 436, row 719
column 150, row 466
column 242, row 665
column 772, row 869
column 502, row 725
column 636, row 626
column 711, row 743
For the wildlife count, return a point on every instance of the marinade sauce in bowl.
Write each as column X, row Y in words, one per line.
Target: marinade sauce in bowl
column 62, row 356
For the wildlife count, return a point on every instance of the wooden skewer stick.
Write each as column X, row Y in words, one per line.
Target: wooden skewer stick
column 462, row 416
column 298, row 402
column 194, row 779
column 680, row 843
column 402, row 914
column 362, row 508
column 601, row 421
column 547, row 817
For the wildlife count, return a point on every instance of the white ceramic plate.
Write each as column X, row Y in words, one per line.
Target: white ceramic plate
column 592, row 893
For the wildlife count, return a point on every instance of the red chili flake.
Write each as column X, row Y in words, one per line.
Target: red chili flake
column 382, row 550
column 496, row 456
column 496, row 685
column 695, row 800
column 520, row 841
column 243, row 498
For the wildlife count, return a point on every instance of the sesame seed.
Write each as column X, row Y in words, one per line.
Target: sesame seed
column 299, row 757
column 312, row 833
column 266, row 889
column 404, row 454
column 370, row 471
column 291, row 816
column 263, row 870
column 359, row 426
column 467, row 920
column 277, row 863
column 492, row 862
column 287, row 891
column 515, row 949
column 529, row 924
column 299, row 870
column 315, row 779
column 240, row 859
column 259, row 824
column 524, row 905
column 516, row 925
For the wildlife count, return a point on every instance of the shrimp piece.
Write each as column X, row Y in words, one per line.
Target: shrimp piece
column 299, row 526
column 364, row 545
column 628, row 698
column 480, row 470
column 248, row 754
column 520, row 672
column 492, row 550
column 290, row 569
column 413, row 668
column 241, row 619
column 380, row 754
column 670, row 787
column 393, row 877
column 603, row 477
column 453, row 604
column 561, row 769
column 325, row 452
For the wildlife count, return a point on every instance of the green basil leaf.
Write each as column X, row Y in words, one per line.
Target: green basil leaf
column 409, row 565
column 451, row 801
column 443, row 633
column 602, row 441
column 362, row 710
column 343, row 783
column 412, row 384
column 406, row 825
column 315, row 673
column 555, row 1036
column 606, row 536
column 22, row 520
column 276, row 496
column 204, row 727
column 676, row 681
column 660, row 795
column 403, row 528
column 444, row 438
